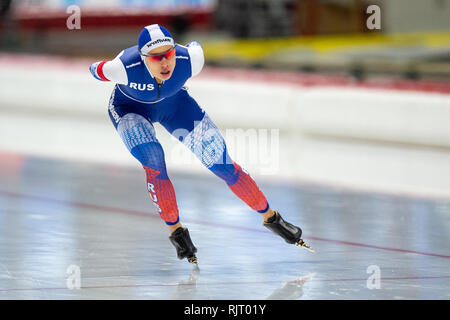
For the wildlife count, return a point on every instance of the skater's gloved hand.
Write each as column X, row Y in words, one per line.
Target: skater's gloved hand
column 93, row 70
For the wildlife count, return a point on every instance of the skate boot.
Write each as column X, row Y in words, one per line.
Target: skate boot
column 290, row 233
column 185, row 248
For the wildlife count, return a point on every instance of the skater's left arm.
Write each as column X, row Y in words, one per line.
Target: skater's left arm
column 113, row 70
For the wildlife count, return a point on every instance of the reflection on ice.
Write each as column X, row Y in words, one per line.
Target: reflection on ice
column 186, row 289
column 101, row 218
column 292, row 289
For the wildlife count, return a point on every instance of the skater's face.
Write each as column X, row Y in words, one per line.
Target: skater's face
column 161, row 62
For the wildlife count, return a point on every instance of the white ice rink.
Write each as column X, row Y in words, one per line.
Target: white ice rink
column 364, row 172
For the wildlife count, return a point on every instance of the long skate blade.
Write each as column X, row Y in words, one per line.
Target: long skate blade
column 193, row 260
column 303, row 244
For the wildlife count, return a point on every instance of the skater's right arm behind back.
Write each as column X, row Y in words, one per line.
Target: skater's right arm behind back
column 113, row 70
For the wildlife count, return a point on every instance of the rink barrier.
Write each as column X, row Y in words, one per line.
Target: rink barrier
column 398, row 111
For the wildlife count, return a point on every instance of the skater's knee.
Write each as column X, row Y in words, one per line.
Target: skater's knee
column 226, row 172
column 151, row 156
column 135, row 130
column 229, row 171
column 234, row 173
column 206, row 142
column 139, row 136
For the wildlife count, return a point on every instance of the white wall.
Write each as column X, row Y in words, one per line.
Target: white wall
column 414, row 15
column 391, row 141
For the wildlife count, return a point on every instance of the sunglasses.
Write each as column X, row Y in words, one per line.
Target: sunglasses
column 159, row 56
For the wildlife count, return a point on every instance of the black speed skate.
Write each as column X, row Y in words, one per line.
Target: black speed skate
column 185, row 248
column 290, row 233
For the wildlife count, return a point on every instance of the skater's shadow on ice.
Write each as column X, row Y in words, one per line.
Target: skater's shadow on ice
column 292, row 289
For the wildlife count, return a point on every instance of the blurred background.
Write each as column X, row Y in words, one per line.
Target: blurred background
column 339, row 109
column 412, row 39
column 357, row 91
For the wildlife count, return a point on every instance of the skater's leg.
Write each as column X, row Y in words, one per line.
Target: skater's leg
column 139, row 137
column 191, row 125
column 207, row 143
column 138, row 134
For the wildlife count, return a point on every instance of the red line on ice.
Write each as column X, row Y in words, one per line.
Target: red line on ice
column 220, row 225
